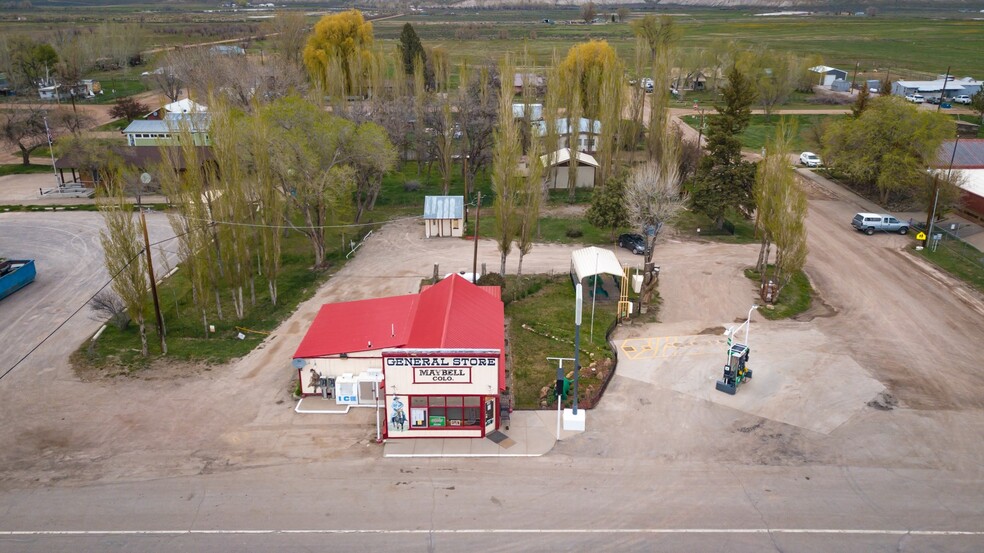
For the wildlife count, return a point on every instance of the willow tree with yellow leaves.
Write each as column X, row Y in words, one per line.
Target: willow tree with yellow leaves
column 590, row 75
column 338, row 54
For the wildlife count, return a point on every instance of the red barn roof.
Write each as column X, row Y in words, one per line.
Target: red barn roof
column 453, row 313
column 352, row 326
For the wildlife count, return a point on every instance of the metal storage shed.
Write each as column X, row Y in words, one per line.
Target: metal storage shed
column 444, row 216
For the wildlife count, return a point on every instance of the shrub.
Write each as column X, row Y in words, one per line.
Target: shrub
column 411, row 186
column 491, row 279
column 574, row 232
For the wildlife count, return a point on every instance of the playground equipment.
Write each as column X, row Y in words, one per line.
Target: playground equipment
column 736, row 371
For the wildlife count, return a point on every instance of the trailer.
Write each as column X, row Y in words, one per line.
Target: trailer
column 15, row 274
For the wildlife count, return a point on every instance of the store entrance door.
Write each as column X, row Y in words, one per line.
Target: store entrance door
column 489, row 415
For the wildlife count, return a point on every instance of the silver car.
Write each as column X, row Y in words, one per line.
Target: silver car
column 870, row 222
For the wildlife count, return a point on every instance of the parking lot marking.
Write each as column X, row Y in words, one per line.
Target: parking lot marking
column 672, row 346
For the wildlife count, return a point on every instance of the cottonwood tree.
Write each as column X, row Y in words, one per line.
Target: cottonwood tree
column 888, row 147
column 652, row 196
column 660, row 36
column 724, row 180
column 780, row 214
column 191, row 193
column 270, row 201
column 505, row 164
column 773, row 75
column 123, row 247
column 340, row 47
column 31, row 61
column 375, row 157
column 24, row 128
column 288, row 31
column 530, row 194
column 242, row 81
column 313, row 159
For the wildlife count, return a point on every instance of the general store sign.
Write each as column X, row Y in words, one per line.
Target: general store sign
column 438, row 369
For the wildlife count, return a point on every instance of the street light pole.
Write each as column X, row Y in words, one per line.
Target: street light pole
column 578, row 298
column 748, row 322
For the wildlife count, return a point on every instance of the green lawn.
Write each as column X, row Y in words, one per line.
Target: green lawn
column 550, row 311
column 116, row 125
column 21, row 169
column 698, row 225
column 559, row 230
column 118, row 352
column 762, row 129
column 960, row 260
column 794, row 298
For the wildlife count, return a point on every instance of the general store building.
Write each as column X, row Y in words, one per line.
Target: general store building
column 439, row 355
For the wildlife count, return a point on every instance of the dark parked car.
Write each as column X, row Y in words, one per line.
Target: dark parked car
column 635, row 243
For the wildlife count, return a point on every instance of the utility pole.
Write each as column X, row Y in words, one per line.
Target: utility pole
column 478, row 215
column 946, row 79
column 857, row 65
column 153, row 285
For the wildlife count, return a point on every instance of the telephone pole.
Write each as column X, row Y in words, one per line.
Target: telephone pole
column 478, row 215
column 153, row 285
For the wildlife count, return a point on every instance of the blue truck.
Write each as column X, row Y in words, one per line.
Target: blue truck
column 15, row 274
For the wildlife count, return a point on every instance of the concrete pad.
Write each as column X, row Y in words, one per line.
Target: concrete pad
column 529, row 436
column 799, row 377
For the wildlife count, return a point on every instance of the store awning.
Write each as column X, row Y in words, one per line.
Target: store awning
column 594, row 261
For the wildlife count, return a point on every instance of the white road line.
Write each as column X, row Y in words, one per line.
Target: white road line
column 805, row 531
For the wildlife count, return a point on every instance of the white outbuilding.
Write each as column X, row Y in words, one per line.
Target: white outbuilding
column 444, row 216
column 558, row 165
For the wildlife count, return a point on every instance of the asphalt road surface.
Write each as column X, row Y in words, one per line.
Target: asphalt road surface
column 218, row 461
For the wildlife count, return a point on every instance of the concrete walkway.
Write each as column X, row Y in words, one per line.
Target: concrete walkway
column 530, row 433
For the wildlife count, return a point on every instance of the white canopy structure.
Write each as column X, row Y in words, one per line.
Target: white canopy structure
column 594, row 261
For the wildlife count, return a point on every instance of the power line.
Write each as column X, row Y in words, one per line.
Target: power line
column 85, row 303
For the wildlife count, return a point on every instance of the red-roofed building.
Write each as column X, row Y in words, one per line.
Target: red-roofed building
column 441, row 354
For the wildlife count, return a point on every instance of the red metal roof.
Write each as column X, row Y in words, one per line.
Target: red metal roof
column 353, row 326
column 453, row 313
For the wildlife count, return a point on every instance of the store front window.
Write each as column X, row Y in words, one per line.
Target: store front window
column 445, row 411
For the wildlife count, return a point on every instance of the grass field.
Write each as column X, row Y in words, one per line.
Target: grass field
column 549, row 320
column 762, row 129
column 118, row 351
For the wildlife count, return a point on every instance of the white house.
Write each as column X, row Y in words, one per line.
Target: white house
column 558, row 166
column 588, row 132
column 947, row 87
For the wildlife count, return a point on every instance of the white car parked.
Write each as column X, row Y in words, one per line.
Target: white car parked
column 962, row 99
column 810, row 159
column 915, row 98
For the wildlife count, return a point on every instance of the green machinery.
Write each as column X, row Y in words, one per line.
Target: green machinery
column 736, row 371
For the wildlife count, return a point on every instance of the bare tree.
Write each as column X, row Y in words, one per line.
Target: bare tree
column 166, row 80
column 652, row 196
column 288, row 32
column 24, row 128
column 108, row 304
